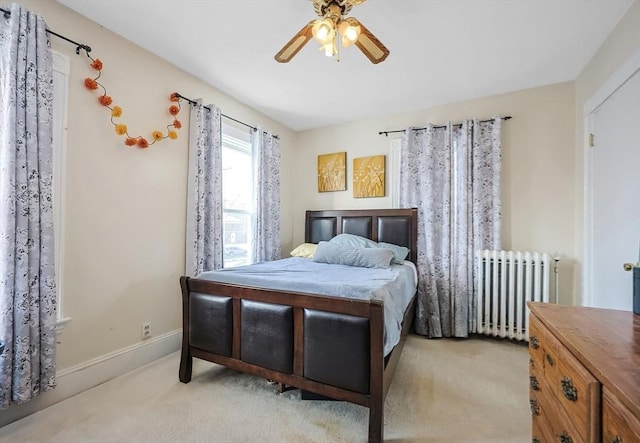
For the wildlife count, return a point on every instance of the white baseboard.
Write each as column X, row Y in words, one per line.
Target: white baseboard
column 73, row 380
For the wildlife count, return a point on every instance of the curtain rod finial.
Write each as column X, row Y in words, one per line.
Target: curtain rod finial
column 86, row 48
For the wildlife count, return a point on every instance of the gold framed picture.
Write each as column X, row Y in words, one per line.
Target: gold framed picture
column 332, row 172
column 368, row 176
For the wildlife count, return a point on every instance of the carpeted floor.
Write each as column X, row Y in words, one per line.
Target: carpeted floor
column 473, row 390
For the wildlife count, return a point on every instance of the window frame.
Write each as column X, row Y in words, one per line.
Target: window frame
column 240, row 141
column 61, row 74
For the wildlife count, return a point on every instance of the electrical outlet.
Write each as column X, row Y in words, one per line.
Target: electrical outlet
column 146, row 330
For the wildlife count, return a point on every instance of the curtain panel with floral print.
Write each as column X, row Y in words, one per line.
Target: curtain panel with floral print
column 204, row 194
column 27, row 281
column 266, row 224
column 452, row 175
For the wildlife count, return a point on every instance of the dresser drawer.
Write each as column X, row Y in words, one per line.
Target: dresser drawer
column 537, row 384
column 539, row 341
column 551, row 422
column 576, row 391
column 568, row 386
column 540, row 431
column 619, row 425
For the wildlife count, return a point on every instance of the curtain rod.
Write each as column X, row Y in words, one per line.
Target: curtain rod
column 386, row 133
column 193, row 102
column 79, row 46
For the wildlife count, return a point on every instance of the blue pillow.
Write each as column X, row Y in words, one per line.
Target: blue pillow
column 338, row 254
column 399, row 252
column 353, row 240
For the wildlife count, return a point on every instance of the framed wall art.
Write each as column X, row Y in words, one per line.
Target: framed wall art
column 332, row 172
column 368, row 176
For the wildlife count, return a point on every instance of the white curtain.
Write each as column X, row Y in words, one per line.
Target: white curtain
column 204, row 200
column 452, row 175
column 266, row 222
column 27, row 281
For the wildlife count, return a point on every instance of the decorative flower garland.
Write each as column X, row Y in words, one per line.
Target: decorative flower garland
column 116, row 111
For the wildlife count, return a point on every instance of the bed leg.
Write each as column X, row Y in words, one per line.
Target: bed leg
column 376, row 382
column 376, row 421
column 186, row 364
column 186, row 359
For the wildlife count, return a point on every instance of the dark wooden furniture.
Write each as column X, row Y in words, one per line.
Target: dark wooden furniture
column 225, row 324
column 584, row 374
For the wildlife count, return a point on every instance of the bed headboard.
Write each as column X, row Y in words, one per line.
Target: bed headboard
column 397, row 226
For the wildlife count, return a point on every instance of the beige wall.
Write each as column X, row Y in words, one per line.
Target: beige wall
column 621, row 44
column 538, row 166
column 125, row 207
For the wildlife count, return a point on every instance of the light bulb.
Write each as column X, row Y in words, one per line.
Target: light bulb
column 329, row 49
column 323, row 31
column 349, row 30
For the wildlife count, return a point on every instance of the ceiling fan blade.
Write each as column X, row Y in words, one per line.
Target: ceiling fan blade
column 295, row 44
column 371, row 46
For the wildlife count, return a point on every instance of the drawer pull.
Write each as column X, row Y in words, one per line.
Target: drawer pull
column 535, row 440
column 549, row 359
column 535, row 409
column 533, row 382
column 618, row 439
column 565, row 438
column 569, row 391
column 533, row 342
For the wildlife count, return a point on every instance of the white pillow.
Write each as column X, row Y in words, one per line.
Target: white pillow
column 305, row 250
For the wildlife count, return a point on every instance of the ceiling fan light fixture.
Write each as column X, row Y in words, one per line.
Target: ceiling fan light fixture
column 349, row 30
column 334, row 29
column 324, row 31
column 329, row 49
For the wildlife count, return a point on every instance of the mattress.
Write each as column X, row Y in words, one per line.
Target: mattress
column 395, row 286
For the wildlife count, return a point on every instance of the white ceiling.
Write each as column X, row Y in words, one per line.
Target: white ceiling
column 442, row 51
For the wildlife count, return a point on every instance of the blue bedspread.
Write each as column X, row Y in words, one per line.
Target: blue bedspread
column 394, row 286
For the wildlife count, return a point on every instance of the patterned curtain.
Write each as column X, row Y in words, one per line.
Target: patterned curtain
column 27, row 280
column 204, row 200
column 452, row 175
column 266, row 223
column 477, row 223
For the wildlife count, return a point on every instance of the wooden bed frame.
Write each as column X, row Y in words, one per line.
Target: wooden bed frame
column 221, row 306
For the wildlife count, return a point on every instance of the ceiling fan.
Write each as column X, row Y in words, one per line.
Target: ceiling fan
column 334, row 26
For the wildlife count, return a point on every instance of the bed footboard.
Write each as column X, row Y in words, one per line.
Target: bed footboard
column 326, row 345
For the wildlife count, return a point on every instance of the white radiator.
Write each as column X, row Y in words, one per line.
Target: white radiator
column 505, row 281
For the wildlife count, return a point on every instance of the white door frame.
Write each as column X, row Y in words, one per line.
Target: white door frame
column 613, row 83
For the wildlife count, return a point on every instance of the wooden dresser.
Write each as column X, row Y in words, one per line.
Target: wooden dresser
column 584, row 373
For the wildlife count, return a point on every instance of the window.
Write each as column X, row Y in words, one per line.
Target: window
column 237, row 196
column 61, row 68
